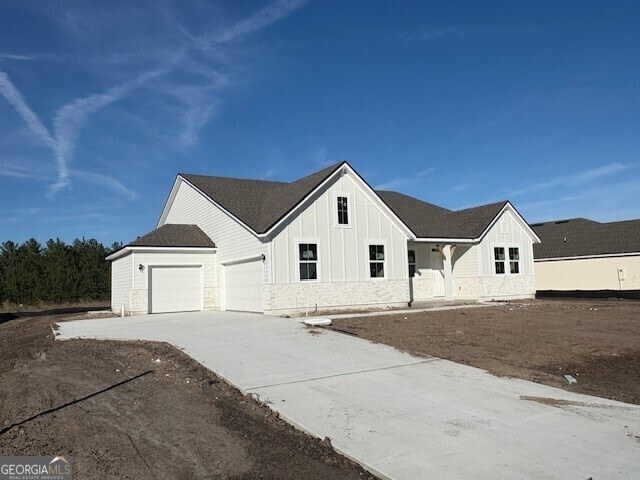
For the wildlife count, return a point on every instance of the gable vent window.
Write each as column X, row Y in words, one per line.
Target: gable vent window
column 308, row 258
column 343, row 211
column 376, row 261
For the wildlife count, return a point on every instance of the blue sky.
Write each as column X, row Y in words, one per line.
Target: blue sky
column 456, row 103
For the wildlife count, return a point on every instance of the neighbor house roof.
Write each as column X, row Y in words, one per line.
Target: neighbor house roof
column 579, row 237
column 261, row 204
column 174, row 235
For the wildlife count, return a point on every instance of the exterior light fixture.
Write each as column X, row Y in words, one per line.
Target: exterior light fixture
column 141, row 268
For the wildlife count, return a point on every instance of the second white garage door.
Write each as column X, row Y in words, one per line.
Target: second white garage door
column 175, row 288
column 243, row 284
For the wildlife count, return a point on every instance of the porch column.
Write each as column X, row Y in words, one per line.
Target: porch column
column 447, row 252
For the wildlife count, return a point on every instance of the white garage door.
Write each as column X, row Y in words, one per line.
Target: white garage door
column 175, row 289
column 243, row 286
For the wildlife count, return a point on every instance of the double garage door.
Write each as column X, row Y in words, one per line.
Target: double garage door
column 178, row 288
column 243, row 283
column 175, row 288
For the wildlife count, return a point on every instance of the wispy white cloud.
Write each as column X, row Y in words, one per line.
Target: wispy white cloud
column 259, row 20
column 495, row 121
column 71, row 118
column 196, row 84
column 15, row 98
column 461, row 187
column 15, row 171
column 577, row 178
column 320, row 157
column 102, row 180
column 29, row 57
column 402, row 182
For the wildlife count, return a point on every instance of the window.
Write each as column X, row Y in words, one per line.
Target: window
column 412, row 263
column 308, row 258
column 498, row 255
column 343, row 211
column 501, row 260
column 376, row 261
column 514, row 260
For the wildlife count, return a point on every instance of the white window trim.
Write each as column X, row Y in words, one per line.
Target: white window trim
column 296, row 258
column 507, row 266
column 376, row 241
column 349, row 210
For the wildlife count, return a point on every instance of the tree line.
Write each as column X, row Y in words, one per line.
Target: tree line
column 31, row 273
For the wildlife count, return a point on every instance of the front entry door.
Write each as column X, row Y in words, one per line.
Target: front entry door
column 437, row 273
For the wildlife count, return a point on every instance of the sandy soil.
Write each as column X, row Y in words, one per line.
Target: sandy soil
column 179, row 421
column 598, row 341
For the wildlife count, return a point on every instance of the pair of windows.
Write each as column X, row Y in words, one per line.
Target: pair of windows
column 308, row 261
column 500, row 260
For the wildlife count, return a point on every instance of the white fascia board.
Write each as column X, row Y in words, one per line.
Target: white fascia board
column 169, row 202
column 523, row 222
column 581, row 257
column 139, row 249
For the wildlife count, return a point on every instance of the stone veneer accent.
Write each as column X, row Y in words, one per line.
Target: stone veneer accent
column 496, row 287
column 294, row 297
column 422, row 288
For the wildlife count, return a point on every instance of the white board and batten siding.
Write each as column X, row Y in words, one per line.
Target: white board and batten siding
column 506, row 232
column 342, row 250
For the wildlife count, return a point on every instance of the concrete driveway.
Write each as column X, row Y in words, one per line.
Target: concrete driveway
column 400, row 416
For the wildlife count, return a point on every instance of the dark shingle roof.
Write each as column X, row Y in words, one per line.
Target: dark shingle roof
column 580, row 236
column 258, row 203
column 174, row 235
column 431, row 221
column 261, row 204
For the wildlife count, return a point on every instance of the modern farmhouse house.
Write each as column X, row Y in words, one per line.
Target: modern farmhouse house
column 325, row 241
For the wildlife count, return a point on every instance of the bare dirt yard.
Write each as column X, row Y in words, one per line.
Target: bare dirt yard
column 596, row 341
column 179, row 421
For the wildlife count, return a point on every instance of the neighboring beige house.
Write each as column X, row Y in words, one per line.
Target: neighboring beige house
column 326, row 241
column 580, row 255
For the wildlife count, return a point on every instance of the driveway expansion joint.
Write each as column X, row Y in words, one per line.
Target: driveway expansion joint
column 369, row 370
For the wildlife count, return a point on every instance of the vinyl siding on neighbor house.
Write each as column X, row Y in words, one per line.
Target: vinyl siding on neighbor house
column 592, row 274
